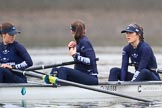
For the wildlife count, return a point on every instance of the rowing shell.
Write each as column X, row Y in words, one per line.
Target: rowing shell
column 45, row 91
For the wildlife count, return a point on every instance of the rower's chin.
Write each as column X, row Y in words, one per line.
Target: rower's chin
column 129, row 41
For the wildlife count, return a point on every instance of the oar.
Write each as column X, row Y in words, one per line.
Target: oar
column 38, row 72
column 52, row 65
column 152, row 69
column 54, row 80
column 156, row 70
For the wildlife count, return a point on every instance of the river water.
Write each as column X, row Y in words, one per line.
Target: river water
column 108, row 57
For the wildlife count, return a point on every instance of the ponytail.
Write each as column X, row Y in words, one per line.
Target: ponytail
column 79, row 28
column 141, row 32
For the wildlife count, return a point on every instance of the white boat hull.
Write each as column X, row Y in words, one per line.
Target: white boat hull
column 43, row 91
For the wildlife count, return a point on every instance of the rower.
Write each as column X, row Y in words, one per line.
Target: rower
column 13, row 55
column 140, row 54
column 85, row 70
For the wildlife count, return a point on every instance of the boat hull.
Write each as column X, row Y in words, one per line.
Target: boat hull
column 44, row 91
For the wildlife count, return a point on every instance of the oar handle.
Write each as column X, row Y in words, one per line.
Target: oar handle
column 52, row 65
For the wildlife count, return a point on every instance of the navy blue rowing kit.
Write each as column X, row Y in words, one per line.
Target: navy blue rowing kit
column 143, row 60
column 85, row 69
column 15, row 55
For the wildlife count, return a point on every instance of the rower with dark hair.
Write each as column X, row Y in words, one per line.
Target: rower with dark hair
column 13, row 55
column 141, row 56
column 85, row 69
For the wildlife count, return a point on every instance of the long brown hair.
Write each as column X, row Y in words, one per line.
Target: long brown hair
column 79, row 28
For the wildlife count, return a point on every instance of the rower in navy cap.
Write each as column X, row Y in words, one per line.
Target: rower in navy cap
column 140, row 55
column 13, row 55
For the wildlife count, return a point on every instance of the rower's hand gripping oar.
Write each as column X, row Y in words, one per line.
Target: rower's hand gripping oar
column 52, row 65
column 55, row 80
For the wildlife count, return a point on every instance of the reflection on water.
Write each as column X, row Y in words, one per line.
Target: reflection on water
column 78, row 104
column 108, row 57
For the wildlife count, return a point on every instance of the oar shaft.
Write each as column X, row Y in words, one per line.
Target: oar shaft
column 52, row 65
column 54, row 80
column 100, row 90
column 49, row 66
column 157, row 70
column 152, row 69
column 38, row 72
column 28, row 73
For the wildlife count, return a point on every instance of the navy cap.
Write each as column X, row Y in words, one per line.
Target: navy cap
column 11, row 31
column 132, row 28
column 72, row 28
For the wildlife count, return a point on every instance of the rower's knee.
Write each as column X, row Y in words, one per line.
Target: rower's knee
column 144, row 71
column 114, row 74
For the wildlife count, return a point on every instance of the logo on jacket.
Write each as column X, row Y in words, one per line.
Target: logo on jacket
column 134, row 55
column 4, row 59
column 5, row 51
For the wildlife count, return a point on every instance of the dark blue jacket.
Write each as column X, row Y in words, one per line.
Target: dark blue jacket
column 85, row 57
column 15, row 55
column 142, row 57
